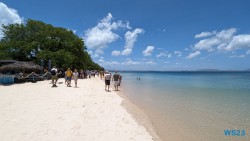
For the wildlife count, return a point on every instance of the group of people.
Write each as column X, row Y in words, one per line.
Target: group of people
column 116, row 78
column 69, row 75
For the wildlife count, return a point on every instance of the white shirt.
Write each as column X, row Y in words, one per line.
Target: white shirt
column 75, row 74
column 107, row 76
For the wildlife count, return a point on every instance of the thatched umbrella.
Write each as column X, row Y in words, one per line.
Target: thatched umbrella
column 17, row 67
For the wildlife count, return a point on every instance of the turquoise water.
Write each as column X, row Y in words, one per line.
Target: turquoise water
column 192, row 105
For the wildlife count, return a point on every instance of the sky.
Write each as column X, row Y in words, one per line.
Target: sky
column 148, row 34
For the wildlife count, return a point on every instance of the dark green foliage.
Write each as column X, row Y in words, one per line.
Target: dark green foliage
column 36, row 40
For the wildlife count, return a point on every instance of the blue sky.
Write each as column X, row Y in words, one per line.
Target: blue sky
column 149, row 34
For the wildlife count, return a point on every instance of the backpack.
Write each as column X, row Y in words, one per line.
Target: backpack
column 53, row 72
column 116, row 77
column 107, row 76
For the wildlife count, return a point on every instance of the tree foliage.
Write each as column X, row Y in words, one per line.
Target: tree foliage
column 35, row 40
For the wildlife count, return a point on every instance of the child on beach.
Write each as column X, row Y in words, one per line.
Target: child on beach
column 75, row 76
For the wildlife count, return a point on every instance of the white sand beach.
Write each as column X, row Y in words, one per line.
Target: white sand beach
column 38, row 112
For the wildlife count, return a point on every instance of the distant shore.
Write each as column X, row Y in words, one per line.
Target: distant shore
column 35, row 111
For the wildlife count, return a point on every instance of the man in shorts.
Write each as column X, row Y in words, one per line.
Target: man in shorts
column 116, row 78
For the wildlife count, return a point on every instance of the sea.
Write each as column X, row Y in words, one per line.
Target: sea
column 192, row 105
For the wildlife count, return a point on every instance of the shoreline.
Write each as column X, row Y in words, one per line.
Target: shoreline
column 138, row 114
column 35, row 111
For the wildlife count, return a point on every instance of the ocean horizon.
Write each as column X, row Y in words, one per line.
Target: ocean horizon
column 192, row 105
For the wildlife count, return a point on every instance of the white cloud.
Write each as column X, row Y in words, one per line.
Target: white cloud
column 8, row 16
column 238, row 42
column 131, row 38
column 127, row 51
column 226, row 34
column 101, row 60
column 161, row 55
column 148, row 51
column 164, row 54
column 112, row 63
column 178, row 53
column 237, row 56
column 194, row 54
column 100, row 36
column 99, row 51
column 219, row 40
column 92, row 54
column 151, row 63
column 223, row 41
column 207, row 44
column 130, row 62
column 95, row 55
column 116, row 53
column 127, row 63
column 205, row 34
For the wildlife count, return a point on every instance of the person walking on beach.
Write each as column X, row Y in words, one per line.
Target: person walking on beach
column 115, row 78
column 101, row 75
column 120, row 80
column 107, row 78
column 75, row 76
column 54, row 76
column 68, row 77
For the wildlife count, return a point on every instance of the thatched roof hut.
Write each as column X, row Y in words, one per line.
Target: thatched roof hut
column 18, row 66
column 6, row 62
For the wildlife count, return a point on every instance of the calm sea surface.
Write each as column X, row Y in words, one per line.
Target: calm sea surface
column 192, row 106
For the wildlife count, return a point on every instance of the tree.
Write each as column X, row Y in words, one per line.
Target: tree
column 35, row 40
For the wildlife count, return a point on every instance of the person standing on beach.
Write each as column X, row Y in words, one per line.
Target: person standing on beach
column 75, row 76
column 68, row 77
column 107, row 78
column 54, row 76
column 115, row 78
